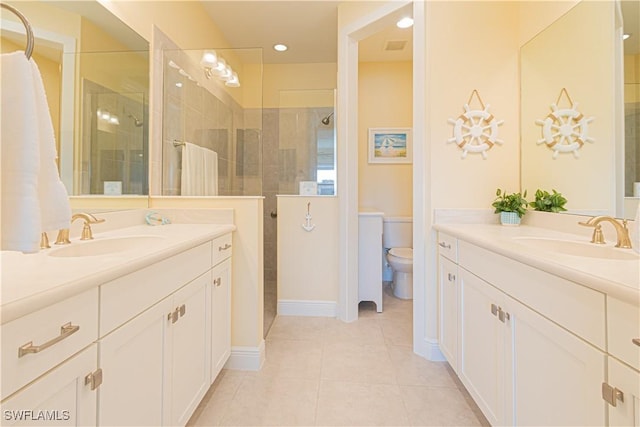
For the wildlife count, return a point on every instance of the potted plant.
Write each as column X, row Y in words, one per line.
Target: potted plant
column 546, row 202
column 511, row 207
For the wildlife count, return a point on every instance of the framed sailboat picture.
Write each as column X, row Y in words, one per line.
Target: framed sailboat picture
column 390, row 145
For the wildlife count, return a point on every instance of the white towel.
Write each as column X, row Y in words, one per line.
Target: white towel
column 199, row 171
column 33, row 198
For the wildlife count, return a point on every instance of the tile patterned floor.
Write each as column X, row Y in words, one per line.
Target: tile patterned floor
column 323, row 372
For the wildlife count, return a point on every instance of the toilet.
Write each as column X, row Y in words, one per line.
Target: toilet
column 397, row 239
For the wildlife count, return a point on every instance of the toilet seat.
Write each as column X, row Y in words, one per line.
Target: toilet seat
column 404, row 253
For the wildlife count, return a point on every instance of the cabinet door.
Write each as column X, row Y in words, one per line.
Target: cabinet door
column 481, row 341
column 448, row 310
column 187, row 365
column 220, row 317
column 627, row 411
column 131, row 358
column 553, row 377
column 59, row 398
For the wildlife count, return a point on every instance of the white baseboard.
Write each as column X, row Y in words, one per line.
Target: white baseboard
column 307, row 308
column 246, row 358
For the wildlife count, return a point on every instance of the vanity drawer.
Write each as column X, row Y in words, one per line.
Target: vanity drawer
column 48, row 337
column 623, row 327
column 221, row 249
column 126, row 297
column 448, row 246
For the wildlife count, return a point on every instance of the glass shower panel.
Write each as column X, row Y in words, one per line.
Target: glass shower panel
column 199, row 109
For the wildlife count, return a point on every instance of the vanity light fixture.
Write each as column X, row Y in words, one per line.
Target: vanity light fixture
column 216, row 66
column 280, row 47
column 405, row 22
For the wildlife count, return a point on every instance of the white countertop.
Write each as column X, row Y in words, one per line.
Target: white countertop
column 33, row 281
column 618, row 278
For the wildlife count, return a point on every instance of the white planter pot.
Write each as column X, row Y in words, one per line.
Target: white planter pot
column 509, row 218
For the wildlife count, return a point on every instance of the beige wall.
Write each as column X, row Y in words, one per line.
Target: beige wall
column 248, row 284
column 463, row 56
column 535, row 16
column 308, row 261
column 587, row 73
column 281, row 77
column 385, row 100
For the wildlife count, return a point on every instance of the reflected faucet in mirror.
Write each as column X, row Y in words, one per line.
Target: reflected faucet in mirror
column 624, row 240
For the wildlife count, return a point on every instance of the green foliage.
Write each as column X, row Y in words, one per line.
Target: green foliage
column 546, row 202
column 514, row 202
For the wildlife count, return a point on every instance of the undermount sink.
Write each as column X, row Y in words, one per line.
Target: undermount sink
column 105, row 246
column 583, row 249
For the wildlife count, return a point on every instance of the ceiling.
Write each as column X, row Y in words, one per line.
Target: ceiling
column 308, row 27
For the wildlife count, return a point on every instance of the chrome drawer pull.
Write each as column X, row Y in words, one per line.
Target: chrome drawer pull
column 636, row 341
column 218, row 281
column 66, row 331
column 224, row 248
column 443, row 245
column 452, row 277
column 494, row 309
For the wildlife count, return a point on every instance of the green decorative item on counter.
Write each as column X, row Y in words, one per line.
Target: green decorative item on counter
column 511, row 207
column 546, row 202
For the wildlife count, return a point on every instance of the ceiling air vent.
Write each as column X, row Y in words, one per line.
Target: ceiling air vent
column 395, row 45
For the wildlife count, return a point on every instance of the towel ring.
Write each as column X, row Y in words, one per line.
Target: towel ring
column 29, row 50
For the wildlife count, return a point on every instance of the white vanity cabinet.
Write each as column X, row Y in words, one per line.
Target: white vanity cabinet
column 220, row 317
column 624, row 383
column 448, row 304
column 530, row 345
column 62, row 397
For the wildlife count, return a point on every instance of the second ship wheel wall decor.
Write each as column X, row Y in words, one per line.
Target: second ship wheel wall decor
column 565, row 130
column 475, row 131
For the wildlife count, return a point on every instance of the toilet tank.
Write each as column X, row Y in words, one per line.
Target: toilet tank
column 397, row 232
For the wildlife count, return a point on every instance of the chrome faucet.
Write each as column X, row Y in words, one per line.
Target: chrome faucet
column 87, row 234
column 624, row 241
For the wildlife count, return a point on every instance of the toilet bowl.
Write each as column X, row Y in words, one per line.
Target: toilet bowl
column 401, row 262
column 397, row 239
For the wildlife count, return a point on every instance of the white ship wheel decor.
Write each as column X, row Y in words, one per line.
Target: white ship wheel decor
column 475, row 131
column 565, row 130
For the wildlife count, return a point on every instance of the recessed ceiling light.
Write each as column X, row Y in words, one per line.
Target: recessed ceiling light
column 280, row 47
column 405, row 22
column 625, row 36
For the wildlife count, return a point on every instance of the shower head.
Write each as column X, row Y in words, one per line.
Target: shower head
column 137, row 122
column 327, row 119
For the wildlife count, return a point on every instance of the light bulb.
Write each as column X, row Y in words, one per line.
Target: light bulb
column 405, row 22
column 209, row 59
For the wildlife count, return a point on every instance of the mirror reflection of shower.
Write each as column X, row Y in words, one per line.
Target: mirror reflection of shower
column 325, row 121
column 138, row 123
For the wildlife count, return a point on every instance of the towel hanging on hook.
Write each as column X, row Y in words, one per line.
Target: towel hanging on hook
column 30, row 39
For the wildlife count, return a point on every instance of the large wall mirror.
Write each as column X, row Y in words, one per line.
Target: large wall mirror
column 96, row 75
column 573, row 65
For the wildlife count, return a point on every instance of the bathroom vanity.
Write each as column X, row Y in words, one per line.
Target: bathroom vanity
column 537, row 334
column 127, row 337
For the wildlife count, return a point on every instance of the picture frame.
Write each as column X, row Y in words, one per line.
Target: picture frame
column 390, row 145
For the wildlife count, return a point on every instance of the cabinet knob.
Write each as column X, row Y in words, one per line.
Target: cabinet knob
column 612, row 394
column 503, row 315
column 494, row 309
column 94, row 379
column 218, row 281
column 636, row 341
